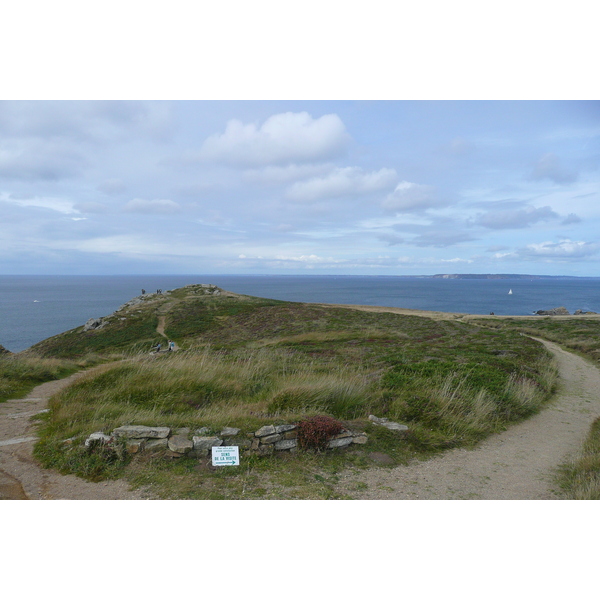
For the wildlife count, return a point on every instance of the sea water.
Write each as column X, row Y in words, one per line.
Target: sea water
column 33, row 308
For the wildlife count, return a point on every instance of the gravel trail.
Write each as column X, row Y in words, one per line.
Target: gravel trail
column 517, row 464
column 21, row 477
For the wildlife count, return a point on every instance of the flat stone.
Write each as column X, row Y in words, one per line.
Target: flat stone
column 270, row 439
column 180, row 443
column 360, row 439
column 339, row 442
column 156, row 444
column 141, row 431
column 286, row 444
column 395, row 426
column 265, row 430
column 202, row 445
column 284, row 428
column 229, row 431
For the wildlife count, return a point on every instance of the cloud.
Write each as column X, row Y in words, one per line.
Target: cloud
column 60, row 205
column 565, row 250
column 138, row 205
column 515, row 219
column 548, row 167
column 341, row 182
column 39, row 161
column 570, row 219
column 282, row 139
column 112, row 186
column 283, row 175
column 441, row 238
column 408, row 197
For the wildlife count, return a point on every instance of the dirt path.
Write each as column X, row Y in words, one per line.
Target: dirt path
column 21, row 477
column 517, row 464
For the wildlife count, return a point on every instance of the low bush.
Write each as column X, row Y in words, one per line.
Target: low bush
column 314, row 432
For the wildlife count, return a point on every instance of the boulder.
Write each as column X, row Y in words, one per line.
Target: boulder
column 284, row 428
column 270, row 439
column 3, row 350
column 141, row 431
column 339, row 442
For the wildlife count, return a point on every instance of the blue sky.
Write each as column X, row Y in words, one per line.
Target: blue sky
column 341, row 187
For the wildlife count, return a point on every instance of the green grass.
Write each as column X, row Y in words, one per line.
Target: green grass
column 19, row 374
column 579, row 479
column 247, row 362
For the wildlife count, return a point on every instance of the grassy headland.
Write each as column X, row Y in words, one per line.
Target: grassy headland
column 245, row 362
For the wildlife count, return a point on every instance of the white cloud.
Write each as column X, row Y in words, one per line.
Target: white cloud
column 283, row 175
column 515, row 219
column 342, row 182
column 563, row 250
column 60, row 205
column 138, row 205
column 282, row 139
column 408, row 197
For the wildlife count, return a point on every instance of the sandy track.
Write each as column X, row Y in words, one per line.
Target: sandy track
column 517, row 464
column 21, row 477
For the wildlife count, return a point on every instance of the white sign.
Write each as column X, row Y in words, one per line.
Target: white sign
column 225, row 455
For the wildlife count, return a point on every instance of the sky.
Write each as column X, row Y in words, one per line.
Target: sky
column 391, row 187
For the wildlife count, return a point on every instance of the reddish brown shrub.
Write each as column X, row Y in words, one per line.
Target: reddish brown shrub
column 315, row 432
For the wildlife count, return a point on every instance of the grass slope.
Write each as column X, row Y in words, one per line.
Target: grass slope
column 246, row 361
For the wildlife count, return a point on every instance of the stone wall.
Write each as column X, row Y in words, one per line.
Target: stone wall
column 183, row 442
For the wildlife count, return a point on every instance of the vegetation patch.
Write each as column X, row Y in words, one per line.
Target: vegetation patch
column 246, row 362
column 579, row 479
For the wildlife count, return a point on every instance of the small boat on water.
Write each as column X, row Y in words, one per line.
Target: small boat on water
column 509, row 292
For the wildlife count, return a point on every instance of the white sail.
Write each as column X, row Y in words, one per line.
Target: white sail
column 509, row 292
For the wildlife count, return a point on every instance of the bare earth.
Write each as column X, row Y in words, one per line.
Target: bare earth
column 21, row 477
column 517, row 464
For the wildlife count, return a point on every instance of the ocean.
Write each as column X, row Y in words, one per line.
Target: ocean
column 33, row 308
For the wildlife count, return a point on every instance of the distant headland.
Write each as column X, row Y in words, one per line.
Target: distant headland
column 499, row 276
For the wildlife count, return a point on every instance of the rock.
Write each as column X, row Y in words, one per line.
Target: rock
column 3, row 350
column 202, row 445
column 584, row 312
column 229, row 431
column 387, row 423
column 340, row 442
column 180, row 443
column 156, row 444
column 265, row 430
column 286, row 444
column 395, row 426
column 135, row 445
column 561, row 310
column 141, row 431
column 97, row 435
column 284, row 428
column 183, row 431
column 360, row 439
column 270, row 439
column 202, row 431
column 94, row 324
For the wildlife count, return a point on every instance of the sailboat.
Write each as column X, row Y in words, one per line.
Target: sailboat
column 509, row 292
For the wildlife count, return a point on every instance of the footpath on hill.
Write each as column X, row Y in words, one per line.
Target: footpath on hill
column 516, row 464
column 21, row 477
